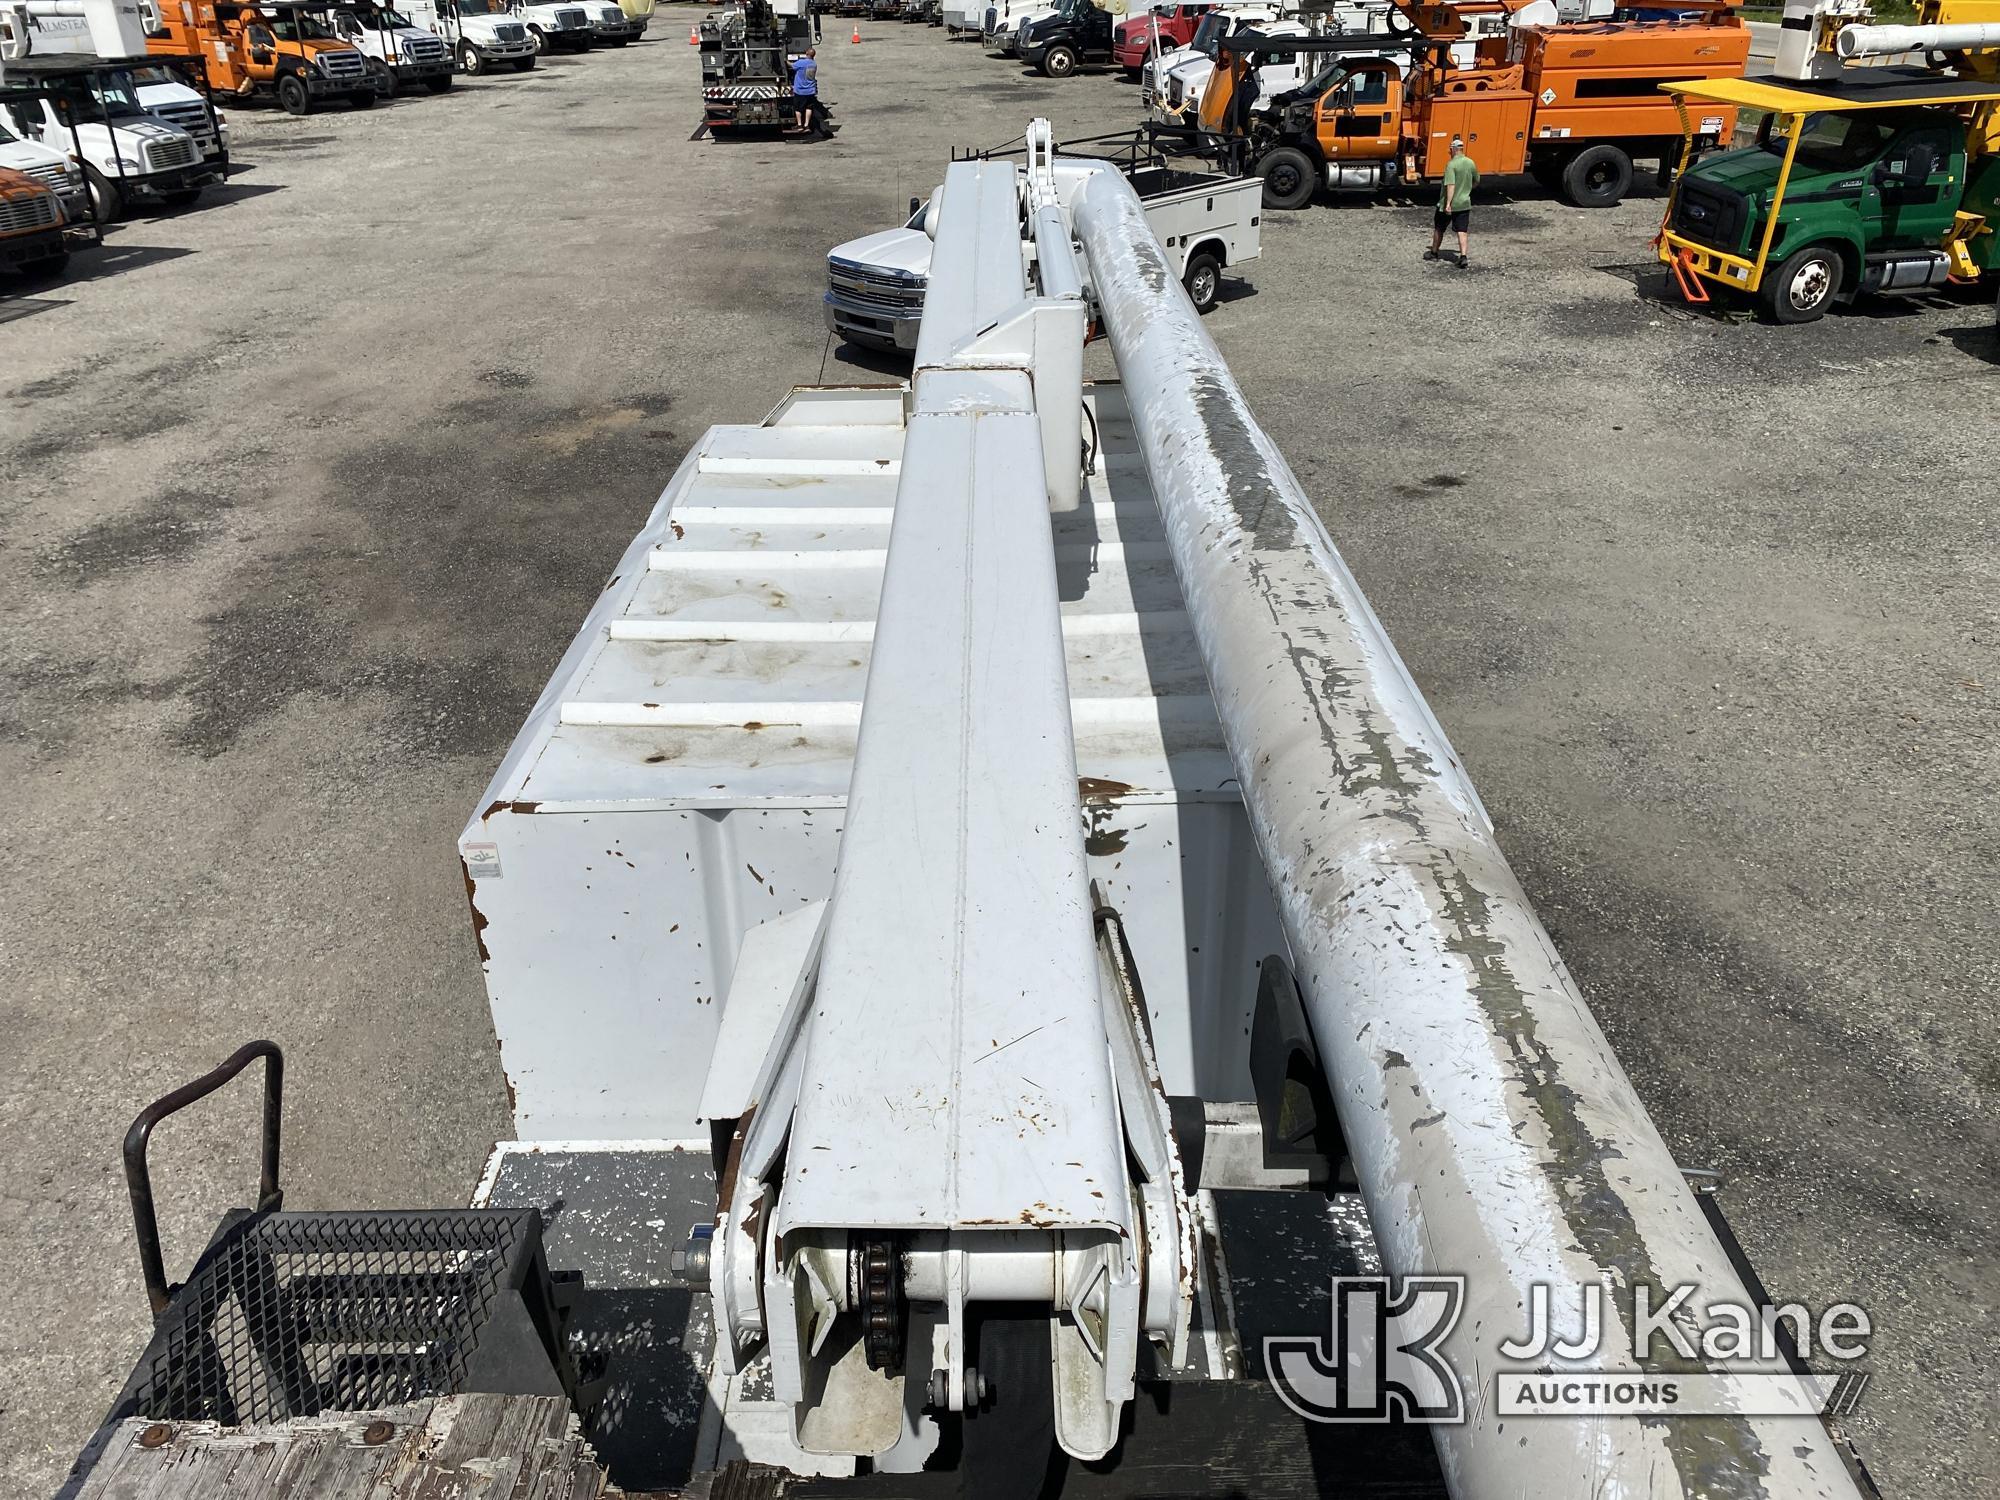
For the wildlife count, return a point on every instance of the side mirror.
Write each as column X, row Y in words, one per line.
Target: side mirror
column 915, row 204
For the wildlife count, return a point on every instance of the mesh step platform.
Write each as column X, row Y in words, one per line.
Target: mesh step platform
column 294, row 1314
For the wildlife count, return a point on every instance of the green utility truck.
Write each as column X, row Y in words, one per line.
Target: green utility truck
column 1872, row 184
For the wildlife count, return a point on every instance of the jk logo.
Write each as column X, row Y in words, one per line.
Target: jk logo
column 1380, row 1359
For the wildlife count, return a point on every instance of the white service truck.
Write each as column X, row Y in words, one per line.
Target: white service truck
column 481, row 34
column 555, row 25
column 875, row 284
column 128, row 154
column 610, row 26
column 397, row 50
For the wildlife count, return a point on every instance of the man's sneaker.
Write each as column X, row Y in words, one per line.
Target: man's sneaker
column 1461, row 262
column 1431, row 255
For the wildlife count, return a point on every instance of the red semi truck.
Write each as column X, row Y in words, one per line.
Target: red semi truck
column 1175, row 24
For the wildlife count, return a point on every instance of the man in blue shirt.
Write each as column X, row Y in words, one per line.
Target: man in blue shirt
column 805, row 91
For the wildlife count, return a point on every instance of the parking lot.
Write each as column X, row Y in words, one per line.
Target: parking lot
column 305, row 489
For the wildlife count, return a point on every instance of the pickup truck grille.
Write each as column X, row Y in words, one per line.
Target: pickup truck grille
column 345, row 66
column 165, row 156
column 19, row 214
column 1709, row 214
column 871, row 288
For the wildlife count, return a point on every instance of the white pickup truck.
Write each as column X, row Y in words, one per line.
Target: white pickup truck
column 875, row 285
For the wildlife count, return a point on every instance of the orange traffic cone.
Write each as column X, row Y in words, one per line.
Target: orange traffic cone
column 694, row 36
column 857, row 33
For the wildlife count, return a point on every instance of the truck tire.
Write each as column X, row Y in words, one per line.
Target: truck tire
column 1289, row 177
column 107, row 203
column 1804, row 286
column 540, row 39
column 438, row 83
column 1058, row 62
column 1203, row 280
column 1597, row 177
column 523, row 64
column 293, row 95
column 470, row 59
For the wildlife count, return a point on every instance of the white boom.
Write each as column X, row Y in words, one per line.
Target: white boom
column 961, row 1104
column 112, row 28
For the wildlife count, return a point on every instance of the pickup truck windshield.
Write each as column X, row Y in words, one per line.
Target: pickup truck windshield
column 292, row 28
column 1834, row 143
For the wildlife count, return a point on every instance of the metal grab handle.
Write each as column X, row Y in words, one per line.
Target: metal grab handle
column 139, row 1181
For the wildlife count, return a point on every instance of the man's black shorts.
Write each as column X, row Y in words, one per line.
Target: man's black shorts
column 1453, row 219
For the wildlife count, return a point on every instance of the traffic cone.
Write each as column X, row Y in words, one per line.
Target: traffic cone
column 856, row 38
column 694, row 36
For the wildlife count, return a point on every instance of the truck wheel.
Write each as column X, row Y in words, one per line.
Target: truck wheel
column 1597, row 177
column 438, row 83
column 541, row 41
column 1803, row 288
column 523, row 64
column 293, row 95
column 470, row 60
column 1058, row 62
column 1203, row 280
column 1289, row 177
column 107, row 203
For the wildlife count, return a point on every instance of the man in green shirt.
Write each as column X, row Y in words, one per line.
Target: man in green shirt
column 1454, row 207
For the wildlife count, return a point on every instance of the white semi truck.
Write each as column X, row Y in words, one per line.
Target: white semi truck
column 876, row 284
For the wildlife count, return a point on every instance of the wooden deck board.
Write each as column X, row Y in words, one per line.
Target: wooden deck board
column 478, row 1447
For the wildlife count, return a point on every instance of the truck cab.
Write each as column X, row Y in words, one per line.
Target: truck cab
column 1180, row 79
column 31, row 226
column 1165, row 28
column 612, row 25
column 1076, row 34
column 1855, row 202
column 56, row 170
column 282, row 51
column 165, row 94
column 1005, row 20
column 398, row 51
column 128, row 155
column 481, row 34
column 554, row 25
